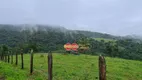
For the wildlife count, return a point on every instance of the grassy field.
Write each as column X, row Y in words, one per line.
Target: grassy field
column 72, row 67
column 105, row 40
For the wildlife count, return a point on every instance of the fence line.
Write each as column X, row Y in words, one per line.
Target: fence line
column 101, row 64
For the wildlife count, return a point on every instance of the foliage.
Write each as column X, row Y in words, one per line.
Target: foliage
column 126, row 48
column 45, row 38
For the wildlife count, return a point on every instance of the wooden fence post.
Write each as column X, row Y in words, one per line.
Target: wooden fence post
column 0, row 54
column 50, row 61
column 5, row 58
column 31, row 63
column 2, row 57
column 22, row 61
column 102, row 68
column 11, row 58
column 8, row 58
column 16, row 59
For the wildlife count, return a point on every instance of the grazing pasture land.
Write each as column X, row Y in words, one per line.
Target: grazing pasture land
column 105, row 40
column 71, row 67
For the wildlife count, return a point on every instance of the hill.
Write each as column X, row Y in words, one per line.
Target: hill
column 45, row 36
column 72, row 67
column 52, row 38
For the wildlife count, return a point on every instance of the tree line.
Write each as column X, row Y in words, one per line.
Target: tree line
column 123, row 48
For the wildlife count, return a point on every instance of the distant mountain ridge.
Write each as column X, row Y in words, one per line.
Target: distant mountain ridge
column 49, row 28
column 31, row 27
column 134, row 36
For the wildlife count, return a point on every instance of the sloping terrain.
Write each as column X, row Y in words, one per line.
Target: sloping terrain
column 72, row 67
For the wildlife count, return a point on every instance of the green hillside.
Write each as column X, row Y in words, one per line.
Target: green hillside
column 52, row 38
column 105, row 40
column 72, row 67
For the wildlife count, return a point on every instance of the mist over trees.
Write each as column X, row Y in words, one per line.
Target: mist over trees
column 46, row 38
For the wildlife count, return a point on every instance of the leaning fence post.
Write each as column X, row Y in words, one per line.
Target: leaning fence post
column 31, row 63
column 102, row 68
column 50, row 61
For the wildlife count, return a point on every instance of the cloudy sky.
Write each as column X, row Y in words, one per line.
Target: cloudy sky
column 118, row 17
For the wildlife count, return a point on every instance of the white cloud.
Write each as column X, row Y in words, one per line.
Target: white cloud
column 120, row 17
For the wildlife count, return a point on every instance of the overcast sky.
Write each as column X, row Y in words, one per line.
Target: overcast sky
column 118, row 17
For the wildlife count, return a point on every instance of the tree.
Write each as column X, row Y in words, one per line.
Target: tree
column 33, row 46
column 84, row 44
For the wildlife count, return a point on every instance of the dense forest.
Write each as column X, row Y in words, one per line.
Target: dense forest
column 52, row 38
